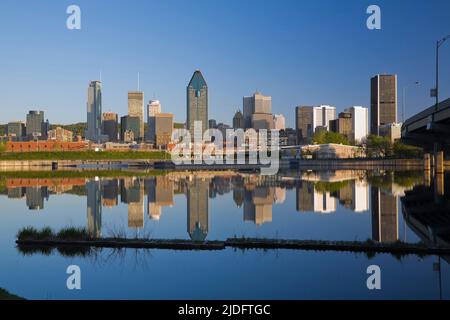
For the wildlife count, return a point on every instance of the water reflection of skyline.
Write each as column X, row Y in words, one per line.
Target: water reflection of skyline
column 256, row 196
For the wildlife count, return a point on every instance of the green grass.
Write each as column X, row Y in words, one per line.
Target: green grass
column 5, row 295
column 79, row 174
column 86, row 155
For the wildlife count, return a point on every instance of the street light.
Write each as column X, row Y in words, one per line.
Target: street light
column 404, row 97
column 439, row 43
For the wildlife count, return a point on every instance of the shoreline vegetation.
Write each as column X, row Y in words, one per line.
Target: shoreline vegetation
column 77, row 241
column 5, row 295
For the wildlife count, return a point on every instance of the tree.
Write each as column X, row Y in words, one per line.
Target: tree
column 406, row 151
column 325, row 137
column 379, row 147
column 383, row 147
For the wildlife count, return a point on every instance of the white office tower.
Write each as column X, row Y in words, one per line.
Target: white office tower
column 360, row 123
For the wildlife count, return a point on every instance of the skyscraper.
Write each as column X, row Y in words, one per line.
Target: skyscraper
column 197, row 103
column 130, row 125
column 163, row 129
column 36, row 126
column 383, row 101
column 257, row 103
column 16, row 130
column 153, row 108
column 94, row 112
column 212, row 124
column 110, row 126
column 360, row 123
column 238, row 120
column 304, row 123
column 136, row 109
column 308, row 119
column 343, row 125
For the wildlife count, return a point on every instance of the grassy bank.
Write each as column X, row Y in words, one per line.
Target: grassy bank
column 85, row 155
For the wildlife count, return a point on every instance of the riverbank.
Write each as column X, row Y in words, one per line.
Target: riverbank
column 154, row 163
column 362, row 164
column 397, row 248
column 52, row 160
column 85, row 155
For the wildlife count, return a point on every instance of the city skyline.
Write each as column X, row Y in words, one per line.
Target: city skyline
column 164, row 73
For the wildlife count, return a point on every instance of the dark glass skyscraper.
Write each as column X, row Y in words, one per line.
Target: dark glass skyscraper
column 94, row 112
column 197, row 102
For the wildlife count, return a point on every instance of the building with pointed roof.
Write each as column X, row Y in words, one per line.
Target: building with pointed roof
column 197, row 102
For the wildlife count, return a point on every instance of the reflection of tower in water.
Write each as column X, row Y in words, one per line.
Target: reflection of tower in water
column 384, row 216
column 258, row 204
column 94, row 208
column 110, row 192
column 198, row 209
column 35, row 197
column 160, row 194
column 134, row 190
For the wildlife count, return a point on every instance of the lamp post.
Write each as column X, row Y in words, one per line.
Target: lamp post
column 404, row 98
column 439, row 43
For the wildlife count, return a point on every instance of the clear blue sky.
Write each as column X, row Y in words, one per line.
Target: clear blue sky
column 299, row 52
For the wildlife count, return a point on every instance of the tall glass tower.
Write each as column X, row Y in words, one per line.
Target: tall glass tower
column 197, row 102
column 94, row 112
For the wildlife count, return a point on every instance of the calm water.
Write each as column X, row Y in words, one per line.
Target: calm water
column 342, row 205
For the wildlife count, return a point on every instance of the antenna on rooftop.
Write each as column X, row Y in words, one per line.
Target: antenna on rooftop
column 139, row 81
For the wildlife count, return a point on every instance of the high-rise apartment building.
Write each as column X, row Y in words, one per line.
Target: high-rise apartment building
column 136, row 109
column 257, row 103
column 94, row 112
column 197, row 103
column 383, row 101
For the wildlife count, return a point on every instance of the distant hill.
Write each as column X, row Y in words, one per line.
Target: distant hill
column 79, row 128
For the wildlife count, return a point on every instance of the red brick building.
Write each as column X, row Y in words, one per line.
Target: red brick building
column 45, row 146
